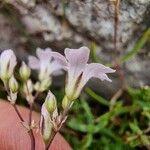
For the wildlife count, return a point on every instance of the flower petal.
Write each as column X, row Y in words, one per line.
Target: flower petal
column 77, row 59
column 44, row 54
column 7, row 63
column 33, row 62
column 55, row 68
column 60, row 59
column 95, row 70
column 8, row 55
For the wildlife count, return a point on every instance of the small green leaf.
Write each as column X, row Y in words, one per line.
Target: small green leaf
column 99, row 99
column 138, row 46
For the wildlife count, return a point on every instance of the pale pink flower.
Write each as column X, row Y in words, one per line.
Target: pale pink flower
column 44, row 63
column 7, row 64
column 79, row 71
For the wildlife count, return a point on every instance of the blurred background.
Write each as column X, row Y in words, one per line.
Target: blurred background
column 108, row 116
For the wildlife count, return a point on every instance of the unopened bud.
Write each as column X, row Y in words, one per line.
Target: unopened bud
column 45, row 84
column 66, row 103
column 13, row 84
column 45, row 124
column 28, row 87
column 24, row 71
column 50, row 102
column 37, row 86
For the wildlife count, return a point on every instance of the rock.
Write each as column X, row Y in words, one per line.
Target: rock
column 59, row 24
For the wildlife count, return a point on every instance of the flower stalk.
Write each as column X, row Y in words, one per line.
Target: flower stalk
column 48, row 63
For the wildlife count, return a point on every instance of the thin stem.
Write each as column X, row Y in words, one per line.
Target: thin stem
column 32, row 139
column 30, row 119
column 31, row 131
column 116, row 22
column 30, row 114
column 17, row 112
column 14, row 105
column 51, row 139
column 64, row 114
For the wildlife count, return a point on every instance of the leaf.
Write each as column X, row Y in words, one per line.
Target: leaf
column 110, row 133
column 87, row 141
column 138, row 46
column 78, row 126
column 99, row 99
column 93, row 53
column 145, row 140
column 134, row 127
column 87, row 110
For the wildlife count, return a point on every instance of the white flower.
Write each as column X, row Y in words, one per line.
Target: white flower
column 79, row 71
column 7, row 64
column 44, row 63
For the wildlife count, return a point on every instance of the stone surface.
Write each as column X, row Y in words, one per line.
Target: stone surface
column 59, row 24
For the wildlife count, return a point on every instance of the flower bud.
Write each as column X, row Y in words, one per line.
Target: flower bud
column 13, row 84
column 24, row 71
column 45, row 124
column 37, row 86
column 50, row 102
column 45, row 84
column 28, row 87
column 7, row 64
column 66, row 103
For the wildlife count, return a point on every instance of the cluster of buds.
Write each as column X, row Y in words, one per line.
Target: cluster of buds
column 25, row 73
column 48, row 63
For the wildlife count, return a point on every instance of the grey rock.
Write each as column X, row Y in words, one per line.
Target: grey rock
column 59, row 24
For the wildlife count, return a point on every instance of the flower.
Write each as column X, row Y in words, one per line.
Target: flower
column 7, row 64
column 44, row 63
column 79, row 71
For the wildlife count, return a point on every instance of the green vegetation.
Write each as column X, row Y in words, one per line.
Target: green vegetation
column 125, row 127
